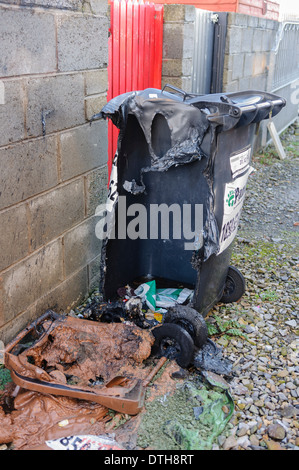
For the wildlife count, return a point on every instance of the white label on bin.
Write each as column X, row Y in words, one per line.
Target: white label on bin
column 105, row 227
column 233, row 201
column 112, row 193
column 84, row 442
column 240, row 162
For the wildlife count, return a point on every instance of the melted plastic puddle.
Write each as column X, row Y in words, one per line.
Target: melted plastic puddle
column 37, row 418
column 75, row 353
column 85, row 353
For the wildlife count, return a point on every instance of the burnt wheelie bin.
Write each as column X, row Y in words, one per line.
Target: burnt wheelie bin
column 176, row 192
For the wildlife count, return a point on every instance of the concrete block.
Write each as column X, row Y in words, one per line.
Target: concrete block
column 11, row 112
column 99, row 7
column 174, row 13
column 187, row 65
column 187, row 84
column 231, row 18
column 94, row 104
column 27, row 169
column 96, row 189
column 245, row 83
column 28, row 42
column 232, row 86
column 11, row 2
column 81, row 246
column 10, row 329
column 247, row 37
column 67, row 295
column 60, row 4
column 188, row 40
column 82, row 42
column 259, row 63
column 238, row 64
column 248, row 65
column 55, row 212
column 54, row 103
column 190, row 13
column 234, row 40
column 259, row 82
column 173, row 35
column 94, row 273
column 96, row 81
column 253, row 21
column 262, row 23
column 257, row 40
column 271, row 24
column 175, row 81
column 27, row 281
column 83, row 149
column 237, row 19
column 227, row 76
column 268, row 40
column 13, row 235
column 172, row 67
column 228, row 61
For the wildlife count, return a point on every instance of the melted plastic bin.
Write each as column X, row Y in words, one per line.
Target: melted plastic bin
column 183, row 157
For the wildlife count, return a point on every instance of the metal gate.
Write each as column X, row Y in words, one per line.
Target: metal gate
column 286, row 55
column 208, row 53
column 135, row 53
column 203, row 51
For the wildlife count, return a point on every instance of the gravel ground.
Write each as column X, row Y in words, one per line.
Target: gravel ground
column 265, row 373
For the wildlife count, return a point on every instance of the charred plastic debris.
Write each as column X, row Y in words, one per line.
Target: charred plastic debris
column 97, row 357
column 179, row 333
column 69, row 373
column 177, row 149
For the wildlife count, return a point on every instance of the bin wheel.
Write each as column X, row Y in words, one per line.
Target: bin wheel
column 192, row 321
column 174, row 342
column 234, row 286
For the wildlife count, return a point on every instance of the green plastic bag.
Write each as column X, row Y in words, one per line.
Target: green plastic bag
column 160, row 299
column 190, row 419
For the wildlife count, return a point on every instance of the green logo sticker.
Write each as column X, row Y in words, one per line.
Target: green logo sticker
column 230, row 198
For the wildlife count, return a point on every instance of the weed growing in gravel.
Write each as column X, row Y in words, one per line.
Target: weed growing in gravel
column 225, row 328
column 269, row 295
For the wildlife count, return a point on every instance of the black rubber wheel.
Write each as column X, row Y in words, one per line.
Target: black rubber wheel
column 234, row 286
column 192, row 321
column 174, row 342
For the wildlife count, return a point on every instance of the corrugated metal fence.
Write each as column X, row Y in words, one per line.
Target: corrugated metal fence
column 208, row 53
column 203, row 51
column 135, row 52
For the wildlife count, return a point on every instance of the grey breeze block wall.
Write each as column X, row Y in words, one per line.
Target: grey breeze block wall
column 248, row 49
column 249, row 58
column 248, row 53
column 250, row 62
column 178, row 45
column 53, row 172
